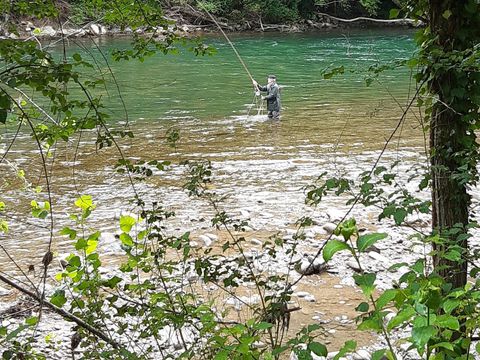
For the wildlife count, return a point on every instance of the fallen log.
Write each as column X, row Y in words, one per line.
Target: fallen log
column 410, row 22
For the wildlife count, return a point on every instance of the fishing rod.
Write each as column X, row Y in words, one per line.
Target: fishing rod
column 257, row 92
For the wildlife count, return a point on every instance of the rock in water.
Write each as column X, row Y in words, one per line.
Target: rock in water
column 95, row 29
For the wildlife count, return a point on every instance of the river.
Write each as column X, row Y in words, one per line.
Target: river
column 337, row 125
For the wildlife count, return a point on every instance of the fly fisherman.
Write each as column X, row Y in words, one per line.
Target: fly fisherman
column 273, row 96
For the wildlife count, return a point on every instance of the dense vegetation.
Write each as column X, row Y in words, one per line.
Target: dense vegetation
column 235, row 11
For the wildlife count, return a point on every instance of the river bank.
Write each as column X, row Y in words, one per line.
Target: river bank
column 192, row 22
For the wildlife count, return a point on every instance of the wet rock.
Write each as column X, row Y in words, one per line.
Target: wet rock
column 103, row 30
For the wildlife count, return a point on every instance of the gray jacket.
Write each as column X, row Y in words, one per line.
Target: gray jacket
column 273, row 96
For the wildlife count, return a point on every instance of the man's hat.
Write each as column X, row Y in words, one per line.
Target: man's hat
column 272, row 77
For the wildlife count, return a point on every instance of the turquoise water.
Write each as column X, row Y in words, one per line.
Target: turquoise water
column 211, row 87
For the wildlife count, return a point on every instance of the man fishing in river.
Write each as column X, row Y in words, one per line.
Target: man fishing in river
column 273, row 96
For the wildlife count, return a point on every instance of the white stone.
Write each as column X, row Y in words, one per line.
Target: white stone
column 255, row 242
column 329, row 227
column 48, row 31
column 301, row 294
column 213, row 237
column 309, row 298
column 379, row 257
column 95, row 29
column 335, row 214
column 353, row 265
column 103, row 30
column 206, row 240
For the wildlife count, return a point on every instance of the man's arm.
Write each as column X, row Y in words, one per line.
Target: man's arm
column 258, row 86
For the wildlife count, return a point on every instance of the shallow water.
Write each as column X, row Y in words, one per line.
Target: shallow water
column 336, row 125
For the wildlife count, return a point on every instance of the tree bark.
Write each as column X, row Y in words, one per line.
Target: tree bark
column 448, row 131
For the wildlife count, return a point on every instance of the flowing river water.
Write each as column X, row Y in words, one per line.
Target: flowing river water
column 336, row 125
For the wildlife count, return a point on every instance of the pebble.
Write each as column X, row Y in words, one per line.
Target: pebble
column 353, row 265
column 329, row 227
column 301, row 294
column 4, row 292
column 206, row 240
column 379, row 257
column 212, row 237
column 309, row 298
column 255, row 242
column 337, row 286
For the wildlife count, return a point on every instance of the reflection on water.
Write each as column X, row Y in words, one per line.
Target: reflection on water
column 326, row 125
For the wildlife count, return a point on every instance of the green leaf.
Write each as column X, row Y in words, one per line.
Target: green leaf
column 401, row 317
column 15, row 332
column 126, row 239
column 113, row 282
column 444, row 345
column 3, row 116
column 446, row 14
column 421, row 335
column 72, row 234
column 334, row 246
column 385, row 298
column 362, row 307
column 85, row 202
column 394, row 13
column 262, row 326
column 5, row 102
column 318, row 349
column 447, row 321
column 31, row 321
column 450, row 304
column 91, row 246
column 366, row 283
column 58, row 298
column 378, row 355
column 126, row 223
column 399, row 215
column 75, row 261
column 77, row 57
column 365, row 241
column 348, row 347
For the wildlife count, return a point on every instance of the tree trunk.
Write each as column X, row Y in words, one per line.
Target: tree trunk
column 448, row 134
